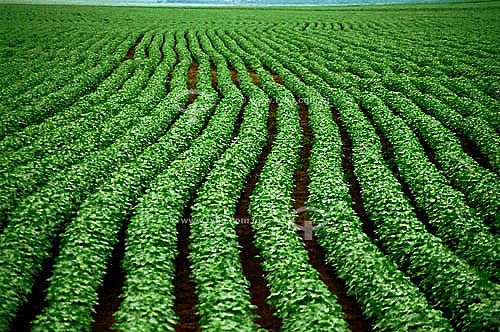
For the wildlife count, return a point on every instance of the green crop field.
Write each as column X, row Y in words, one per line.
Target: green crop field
column 250, row 169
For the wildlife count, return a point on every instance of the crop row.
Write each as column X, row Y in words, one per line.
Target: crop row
column 460, row 227
column 58, row 100
column 478, row 184
column 152, row 235
column 29, row 173
column 300, row 298
column 380, row 188
column 93, row 233
column 45, row 212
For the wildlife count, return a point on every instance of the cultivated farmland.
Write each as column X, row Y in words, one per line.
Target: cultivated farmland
column 287, row 169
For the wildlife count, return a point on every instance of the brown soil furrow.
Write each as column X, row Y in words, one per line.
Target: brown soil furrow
column 352, row 310
column 184, row 286
column 388, row 155
column 131, row 51
column 254, row 77
column 249, row 254
column 192, row 79
column 213, row 71
column 354, row 187
column 36, row 300
column 239, row 119
column 109, row 292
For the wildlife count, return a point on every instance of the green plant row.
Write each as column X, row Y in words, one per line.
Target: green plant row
column 475, row 129
column 33, row 225
column 37, row 133
column 27, row 178
column 455, row 223
column 463, row 87
column 470, row 298
column 93, row 233
column 31, row 60
column 28, row 69
column 341, row 229
column 22, row 92
column 44, row 130
column 152, row 235
column 465, row 106
column 58, row 100
column 383, row 66
column 32, row 172
column 478, row 184
column 436, row 59
column 300, row 298
column 221, row 287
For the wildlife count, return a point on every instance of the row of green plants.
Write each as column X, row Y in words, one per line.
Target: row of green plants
column 301, row 299
column 465, row 88
column 37, row 133
column 221, row 288
column 33, row 226
column 29, row 83
column 28, row 173
column 478, row 184
column 460, row 228
column 364, row 49
column 41, row 133
column 471, row 307
column 58, row 100
column 93, row 233
column 385, row 293
column 151, row 243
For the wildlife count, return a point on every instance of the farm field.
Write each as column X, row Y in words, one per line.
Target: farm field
column 249, row 169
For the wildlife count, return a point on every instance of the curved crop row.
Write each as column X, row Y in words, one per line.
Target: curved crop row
column 152, row 234
column 80, row 59
column 478, row 184
column 33, row 225
column 27, row 178
column 223, row 296
column 329, row 194
column 473, row 306
column 93, row 233
column 56, row 101
column 301, row 299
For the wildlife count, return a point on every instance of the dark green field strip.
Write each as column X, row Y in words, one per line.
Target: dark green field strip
column 161, row 210
column 368, row 50
column 29, row 173
column 100, row 216
column 57, row 101
column 431, row 317
column 220, row 291
column 60, row 198
column 43, row 133
column 285, row 262
column 473, row 127
column 26, row 70
column 374, row 178
column 462, row 229
column 472, row 180
column 102, row 47
column 420, row 65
